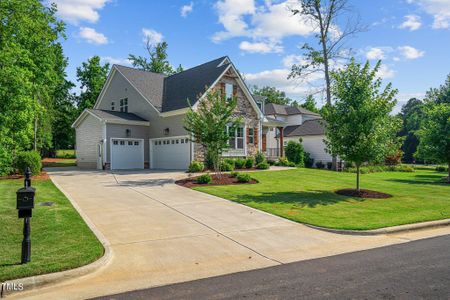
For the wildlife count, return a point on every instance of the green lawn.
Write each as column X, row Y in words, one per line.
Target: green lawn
column 60, row 239
column 65, row 153
column 63, row 162
column 307, row 196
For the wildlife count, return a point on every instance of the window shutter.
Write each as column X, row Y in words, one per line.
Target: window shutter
column 234, row 90
column 248, row 133
column 255, row 133
column 222, row 88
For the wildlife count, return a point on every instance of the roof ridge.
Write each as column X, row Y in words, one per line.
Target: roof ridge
column 140, row 70
column 197, row 66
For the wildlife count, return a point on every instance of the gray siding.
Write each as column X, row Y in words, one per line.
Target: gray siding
column 119, row 131
column 88, row 136
column 120, row 88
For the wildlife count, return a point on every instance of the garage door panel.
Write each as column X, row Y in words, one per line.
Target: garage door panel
column 127, row 154
column 170, row 153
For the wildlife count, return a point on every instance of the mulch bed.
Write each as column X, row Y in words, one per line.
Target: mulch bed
column 226, row 179
column 42, row 176
column 363, row 193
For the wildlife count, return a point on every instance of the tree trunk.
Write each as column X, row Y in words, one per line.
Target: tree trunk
column 357, row 178
column 448, row 169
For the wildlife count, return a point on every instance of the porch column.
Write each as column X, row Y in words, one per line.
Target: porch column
column 281, row 141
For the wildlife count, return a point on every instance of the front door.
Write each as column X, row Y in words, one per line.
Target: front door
column 264, row 142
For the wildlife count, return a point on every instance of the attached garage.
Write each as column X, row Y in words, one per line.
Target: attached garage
column 127, row 153
column 172, row 153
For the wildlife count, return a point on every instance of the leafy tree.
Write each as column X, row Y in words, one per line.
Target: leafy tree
column 295, row 153
column 272, row 95
column 359, row 126
column 64, row 116
column 30, row 56
column 411, row 114
column 92, row 76
column 434, row 132
column 157, row 62
column 310, row 104
column 207, row 124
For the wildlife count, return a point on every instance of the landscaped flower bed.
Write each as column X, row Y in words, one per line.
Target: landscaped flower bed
column 224, row 179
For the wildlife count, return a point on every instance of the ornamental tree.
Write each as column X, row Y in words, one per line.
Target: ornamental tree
column 207, row 123
column 359, row 127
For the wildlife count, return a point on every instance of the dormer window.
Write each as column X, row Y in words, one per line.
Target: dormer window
column 112, row 105
column 229, row 91
column 124, row 105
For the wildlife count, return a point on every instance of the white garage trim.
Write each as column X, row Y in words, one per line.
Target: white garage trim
column 127, row 139
column 151, row 147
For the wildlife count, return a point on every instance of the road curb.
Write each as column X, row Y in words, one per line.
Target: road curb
column 385, row 230
column 37, row 281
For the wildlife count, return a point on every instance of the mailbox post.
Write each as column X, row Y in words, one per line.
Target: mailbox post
column 25, row 204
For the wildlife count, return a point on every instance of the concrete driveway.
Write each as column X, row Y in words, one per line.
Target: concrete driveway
column 160, row 233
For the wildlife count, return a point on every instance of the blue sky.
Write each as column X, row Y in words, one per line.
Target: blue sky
column 412, row 37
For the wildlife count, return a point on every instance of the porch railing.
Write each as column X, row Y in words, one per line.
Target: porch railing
column 272, row 152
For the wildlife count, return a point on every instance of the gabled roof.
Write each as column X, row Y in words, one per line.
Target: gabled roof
column 167, row 93
column 259, row 98
column 191, row 84
column 309, row 127
column 111, row 117
column 278, row 109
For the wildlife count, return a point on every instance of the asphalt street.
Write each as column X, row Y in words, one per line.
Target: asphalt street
column 412, row 270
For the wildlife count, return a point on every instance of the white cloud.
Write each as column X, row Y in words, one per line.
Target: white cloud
column 439, row 9
column 260, row 47
column 409, row 52
column 186, row 9
column 92, row 36
column 116, row 61
column 375, row 53
column 266, row 24
column 152, row 36
column 412, row 22
column 74, row 11
column 385, row 72
column 402, row 99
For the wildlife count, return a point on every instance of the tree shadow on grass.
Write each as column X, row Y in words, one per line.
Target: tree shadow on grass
column 436, row 179
column 297, row 199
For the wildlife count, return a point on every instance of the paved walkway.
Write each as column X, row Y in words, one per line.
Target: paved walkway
column 160, row 233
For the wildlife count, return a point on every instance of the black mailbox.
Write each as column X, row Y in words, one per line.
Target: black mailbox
column 25, row 201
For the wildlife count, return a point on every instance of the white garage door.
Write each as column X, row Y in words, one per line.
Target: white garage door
column 127, row 154
column 170, row 153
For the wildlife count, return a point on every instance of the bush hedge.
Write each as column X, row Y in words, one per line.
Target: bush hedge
column 226, row 166
column 259, row 157
column 234, row 174
column 204, row 179
column 441, row 169
column 377, row 169
column 196, row 166
column 30, row 159
column 309, row 161
column 295, row 153
column 263, row 165
column 239, row 163
column 249, row 162
column 244, row 177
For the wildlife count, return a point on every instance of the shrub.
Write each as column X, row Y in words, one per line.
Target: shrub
column 271, row 162
column 320, row 165
column 69, row 153
column 234, row 174
column 249, row 162
column 377, row 169
column 295, row 153
column 229, row 161
column 239, row 163
column 196, row 166
column 403, row 168
column 394, row 159
column 309, row 161
column 263, row 165
column 282, row 161
column 329, row 165
column 204, row 179
column 291, row 164
column 209, row 162
column 441, row 169
column 243, row 177
column 226, row 167
column 30, row 159
column 259, row 157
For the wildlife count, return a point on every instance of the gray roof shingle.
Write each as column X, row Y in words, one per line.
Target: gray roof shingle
column 110, row 115
column 168, row 93
column 278, row 109
column 309, row 127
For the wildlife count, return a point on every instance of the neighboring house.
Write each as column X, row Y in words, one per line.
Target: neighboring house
column 283, row 123
column 137, row 121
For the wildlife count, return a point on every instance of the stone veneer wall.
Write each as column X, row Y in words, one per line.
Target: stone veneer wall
column 244, row 109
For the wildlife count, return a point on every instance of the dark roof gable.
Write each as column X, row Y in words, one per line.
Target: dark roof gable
column 278, row 109
column 167, row 93
column 309, row 127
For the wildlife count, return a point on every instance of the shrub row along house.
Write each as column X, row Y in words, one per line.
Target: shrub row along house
column 137, row 121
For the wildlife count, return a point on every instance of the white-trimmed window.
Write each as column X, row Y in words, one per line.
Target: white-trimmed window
column 236, row 140
column 113, row 105
column 228, row 91
column 251, row 136
column 124, row 105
